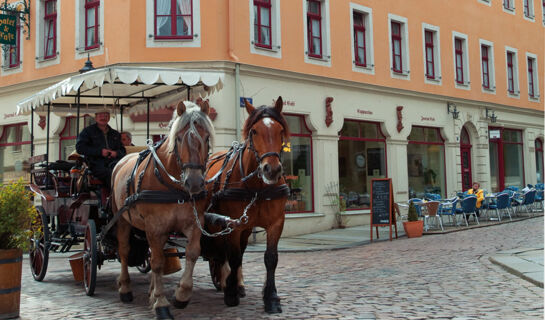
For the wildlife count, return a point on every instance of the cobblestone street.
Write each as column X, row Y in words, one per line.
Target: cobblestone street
column 445, row 276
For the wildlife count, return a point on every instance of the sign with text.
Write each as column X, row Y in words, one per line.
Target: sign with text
column 381, row 204
column 8, row 29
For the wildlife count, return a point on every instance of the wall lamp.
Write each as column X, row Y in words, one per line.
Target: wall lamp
column 451, row 108
column 490, row 114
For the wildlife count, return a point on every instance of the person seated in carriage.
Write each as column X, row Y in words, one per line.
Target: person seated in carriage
column 102, row 147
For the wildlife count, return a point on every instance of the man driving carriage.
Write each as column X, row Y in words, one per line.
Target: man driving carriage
column 101, row 145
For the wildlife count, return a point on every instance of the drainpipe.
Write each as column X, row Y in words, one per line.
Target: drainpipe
column 233, row 57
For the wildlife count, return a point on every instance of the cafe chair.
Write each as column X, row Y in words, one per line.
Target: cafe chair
column 527, row 200
column 468, row 208
column 430, row 210
column 448, row 208
column 539, row 199
column 502, row 204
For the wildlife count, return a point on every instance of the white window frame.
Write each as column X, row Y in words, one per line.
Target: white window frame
column 151, row 42
column 436, row 53
column 510, row 10
column 405, row 59
column 326, row 36
column 486, row 2
column 276, row 32
column 531, row 11
column 542, row 12
column 465, row 60
column 537, row 94
column 81, row 53
column 369, row 52
column 516, row 83
column 40, row 28
column 491, row 69
column 9, row 71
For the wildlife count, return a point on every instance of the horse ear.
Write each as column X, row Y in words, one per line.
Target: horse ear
column 249, row 107
column 279, row 104
column 205, row 107
column 180, row 109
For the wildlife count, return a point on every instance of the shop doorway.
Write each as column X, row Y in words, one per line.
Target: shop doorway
column 465, row 154
column 506, row 158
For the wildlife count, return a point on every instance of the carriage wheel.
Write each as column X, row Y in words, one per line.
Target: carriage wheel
column 39, row 251
column 215, row 273
column 145, row 267
column 90, row 258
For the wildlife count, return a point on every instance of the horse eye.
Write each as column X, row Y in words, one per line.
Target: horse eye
column 253, row 131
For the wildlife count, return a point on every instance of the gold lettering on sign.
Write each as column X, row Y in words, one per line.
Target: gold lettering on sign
column 364, row 111
column 9, row 115
column 427, row 119
column 286, row 103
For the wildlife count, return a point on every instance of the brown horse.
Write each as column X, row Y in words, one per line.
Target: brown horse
column 247, row 184
column 160, row 204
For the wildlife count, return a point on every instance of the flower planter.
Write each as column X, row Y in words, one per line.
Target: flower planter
column 413, row 229
column 10, row 282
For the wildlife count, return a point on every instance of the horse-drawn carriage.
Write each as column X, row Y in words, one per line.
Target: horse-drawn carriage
column 160, row 194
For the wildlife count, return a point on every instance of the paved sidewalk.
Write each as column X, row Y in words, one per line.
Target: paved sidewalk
column 526, row 263
column 329, row 240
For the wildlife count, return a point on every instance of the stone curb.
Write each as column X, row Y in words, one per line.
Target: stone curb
column 515, row 272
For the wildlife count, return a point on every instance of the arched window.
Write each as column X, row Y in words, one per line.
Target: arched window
column 14, row 151
column 539, row 160
column 297, row 164
column 67, row 138
column 426, row 162
column 362, row 157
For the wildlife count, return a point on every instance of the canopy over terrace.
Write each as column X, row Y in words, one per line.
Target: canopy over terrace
column 137, row 89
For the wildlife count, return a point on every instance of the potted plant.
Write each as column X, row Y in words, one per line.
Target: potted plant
column 413, row 227
column 16, row 217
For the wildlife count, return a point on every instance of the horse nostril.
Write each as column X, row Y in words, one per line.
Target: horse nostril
column 267, row 168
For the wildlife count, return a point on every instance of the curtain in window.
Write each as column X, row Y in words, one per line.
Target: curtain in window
column 49, row 51
column 163, row 9
column 265, row 26
column 185, row 6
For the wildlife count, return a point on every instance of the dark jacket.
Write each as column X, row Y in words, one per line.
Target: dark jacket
column 91, row 141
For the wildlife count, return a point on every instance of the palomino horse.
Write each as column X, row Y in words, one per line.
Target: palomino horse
column 154, row 201
column 246, row 183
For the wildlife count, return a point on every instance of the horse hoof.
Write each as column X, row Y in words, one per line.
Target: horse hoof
column 180, row 304
column 163, row 313
column 126, row 297
column 273, row 306
column 241, row 291
column 231, row 301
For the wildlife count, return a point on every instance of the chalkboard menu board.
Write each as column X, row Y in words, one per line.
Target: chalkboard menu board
column 381, row 201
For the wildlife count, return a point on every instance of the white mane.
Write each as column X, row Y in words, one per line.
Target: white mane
column 192, row 115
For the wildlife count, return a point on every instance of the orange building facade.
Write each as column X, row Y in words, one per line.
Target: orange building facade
column 433, row 94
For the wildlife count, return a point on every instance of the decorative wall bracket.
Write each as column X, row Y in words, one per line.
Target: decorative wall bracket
column 328, row 111
column 41, row 122
column 22, row 10
column 399, row 118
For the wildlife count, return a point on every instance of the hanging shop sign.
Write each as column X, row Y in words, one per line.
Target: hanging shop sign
column 8, row 29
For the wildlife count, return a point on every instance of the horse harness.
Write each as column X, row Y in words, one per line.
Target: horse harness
column 173, row 195
column 244, row 194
